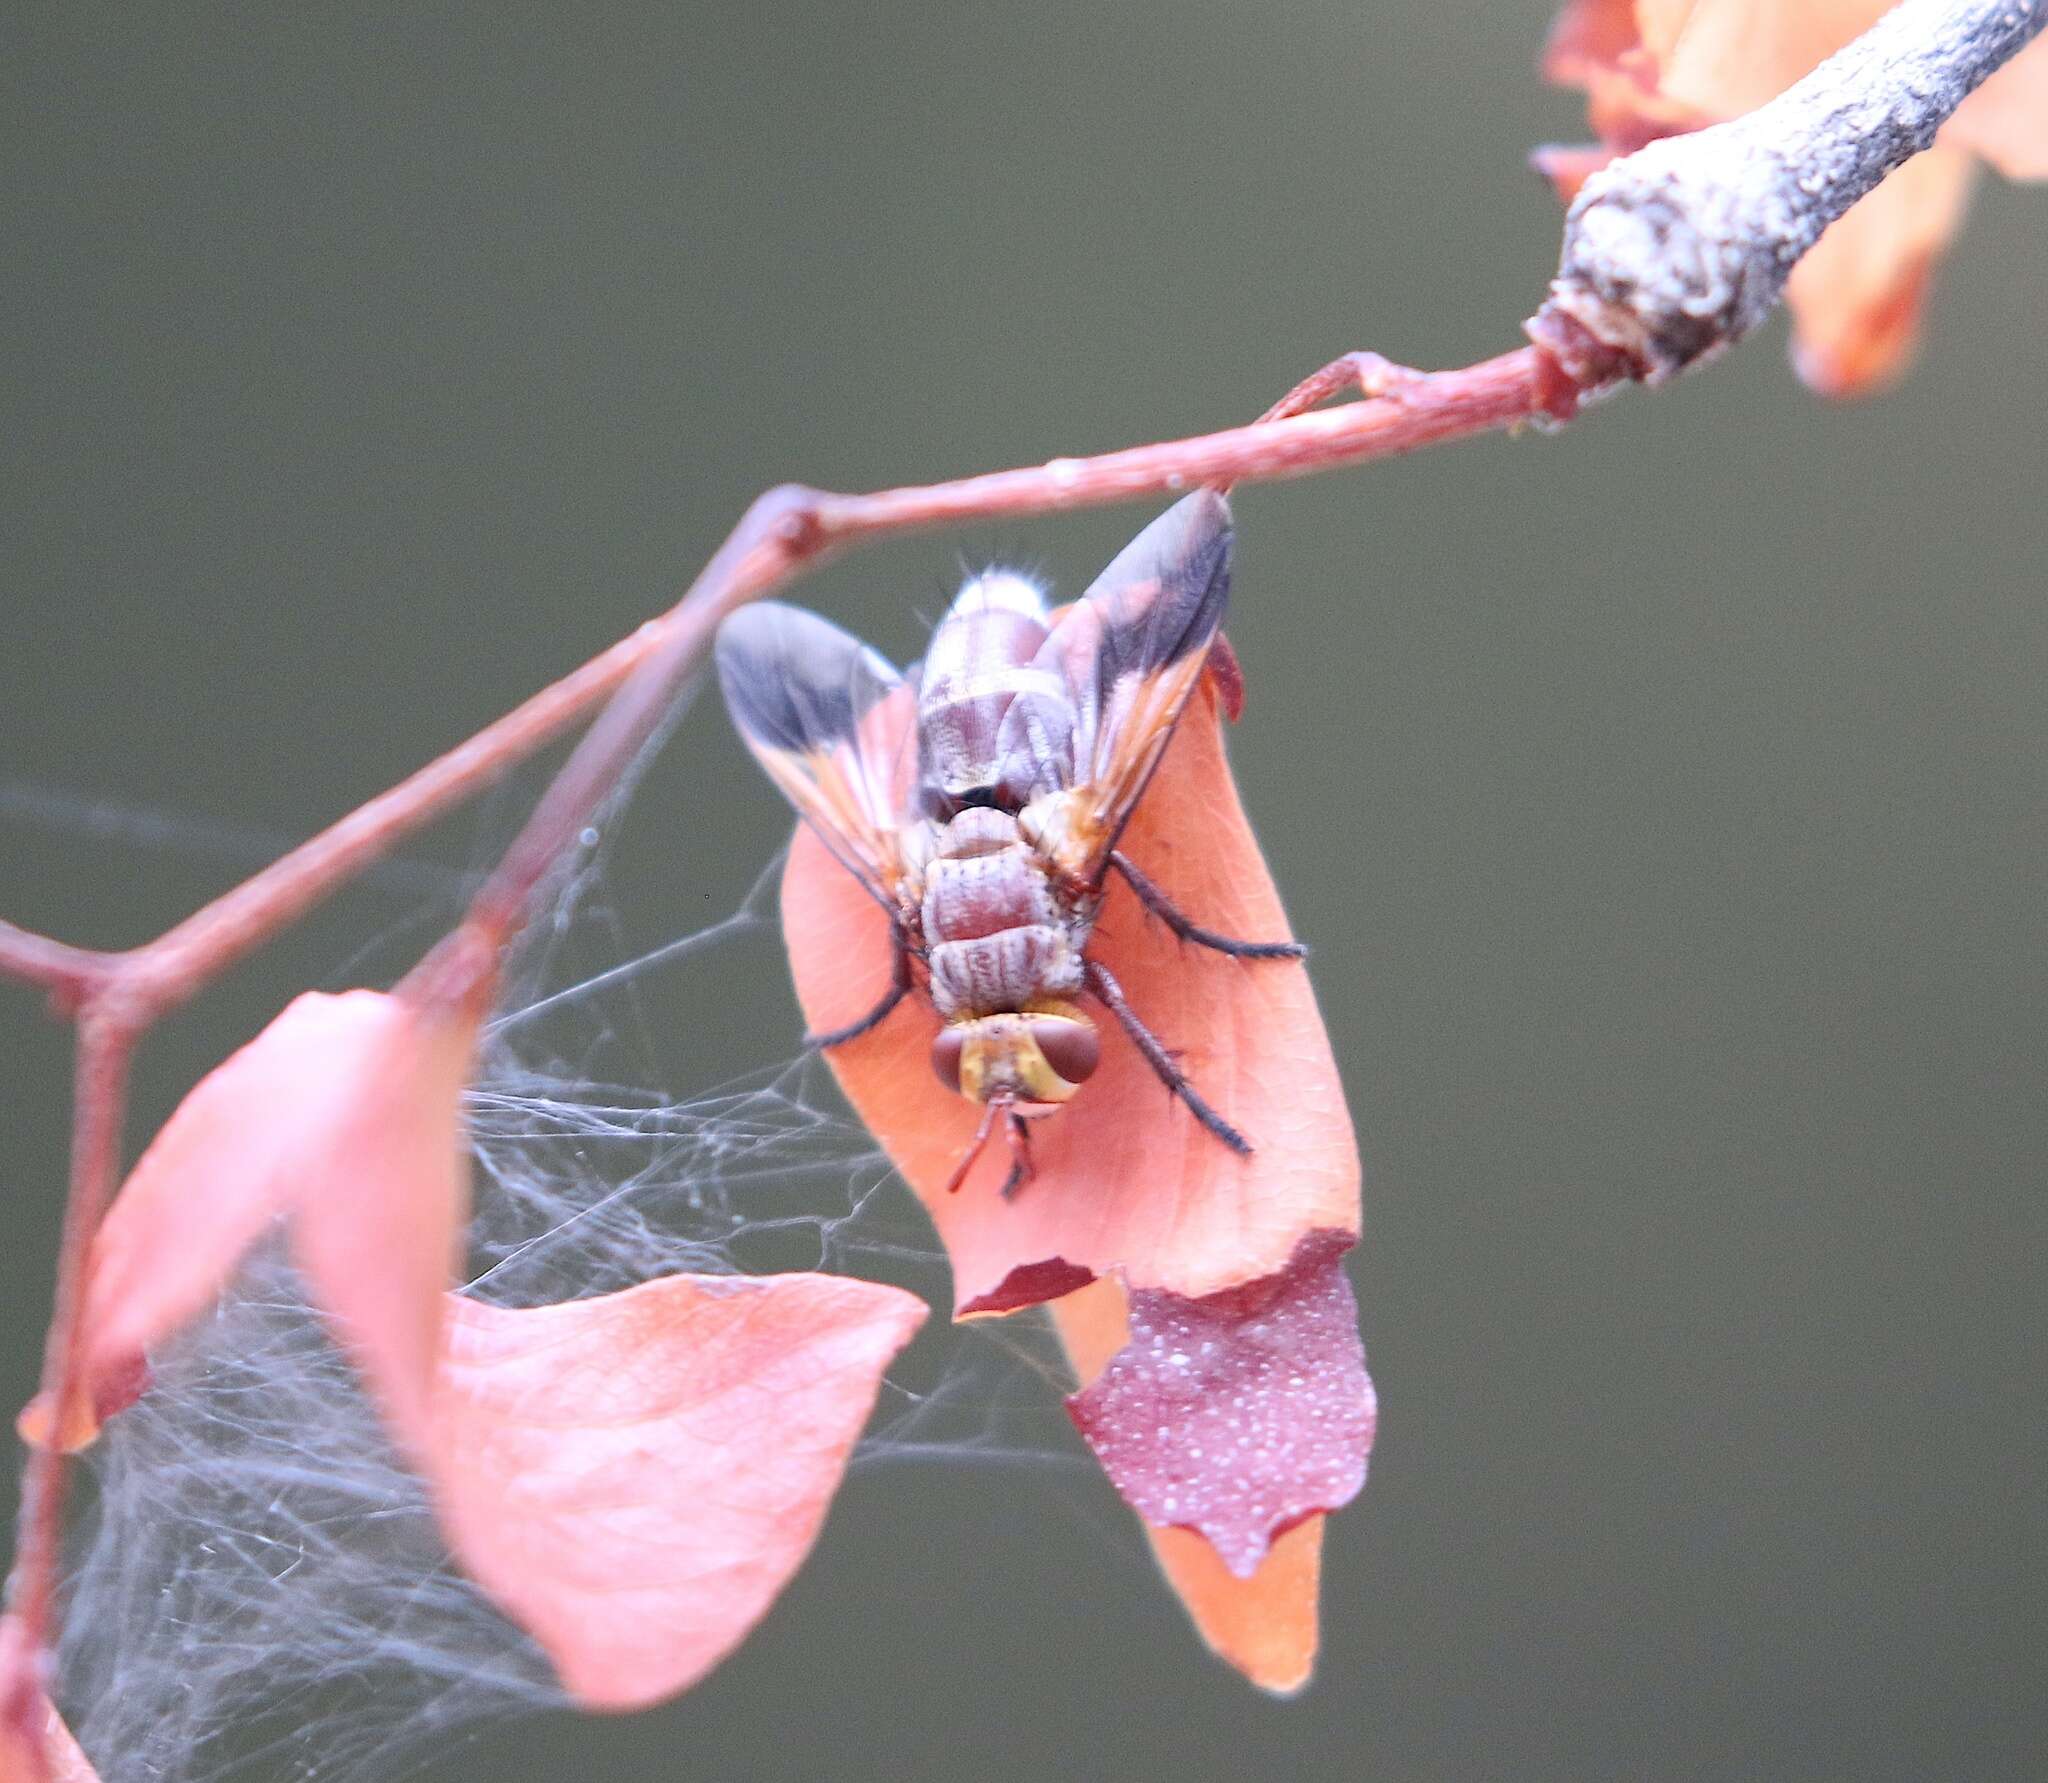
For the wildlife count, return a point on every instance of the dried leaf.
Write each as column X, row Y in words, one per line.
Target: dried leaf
column 632, row 1477
column 1266, row 1626
column 1126, row 1179
column 343, row 1113
column 635, row 1477
column 1130, row 1189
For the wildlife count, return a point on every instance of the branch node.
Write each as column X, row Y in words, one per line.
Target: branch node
column 1674, row 253
column 1573, row 365
column 790, row 515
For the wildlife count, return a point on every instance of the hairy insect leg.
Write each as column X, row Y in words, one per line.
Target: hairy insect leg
column 899, row 988
column 1111, row 995
column 1155, row 900
column 1022, row 1169
column 1368, row 373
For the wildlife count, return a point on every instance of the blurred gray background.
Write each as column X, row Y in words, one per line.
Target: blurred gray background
column 1665, row 799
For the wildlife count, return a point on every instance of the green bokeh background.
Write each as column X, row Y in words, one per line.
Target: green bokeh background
column 1666, row 800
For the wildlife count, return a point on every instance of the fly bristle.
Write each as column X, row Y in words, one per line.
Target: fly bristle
column 1001, row 590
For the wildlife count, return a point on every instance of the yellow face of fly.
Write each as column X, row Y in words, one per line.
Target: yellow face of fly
column 1038, row 1057
column 1000, row 1058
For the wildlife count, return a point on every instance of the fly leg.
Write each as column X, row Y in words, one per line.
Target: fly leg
column 899, row 988
column 1161, row 906
column 980, row 1139
column 1368, row 373
column 1112, row 998
column 1022, row 1170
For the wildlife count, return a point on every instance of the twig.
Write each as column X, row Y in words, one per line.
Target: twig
column 784, row 531
column 1677, row 251
column 107, row 1034
column 67, row 972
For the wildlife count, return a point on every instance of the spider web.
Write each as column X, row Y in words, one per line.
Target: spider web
column 258, row 1589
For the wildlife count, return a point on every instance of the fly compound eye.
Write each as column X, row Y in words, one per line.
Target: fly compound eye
column 947, row 1046
column 1069, row 1044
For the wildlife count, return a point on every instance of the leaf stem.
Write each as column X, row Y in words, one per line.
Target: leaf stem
column 108, row 1030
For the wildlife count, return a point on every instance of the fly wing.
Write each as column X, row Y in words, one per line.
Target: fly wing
column 1130, row 652
column 832, row 723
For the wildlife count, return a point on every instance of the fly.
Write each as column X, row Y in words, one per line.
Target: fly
column 980, row 798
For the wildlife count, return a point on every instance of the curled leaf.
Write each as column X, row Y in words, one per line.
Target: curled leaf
column 344, row 1114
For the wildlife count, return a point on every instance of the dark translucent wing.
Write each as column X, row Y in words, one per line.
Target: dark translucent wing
column 831, row 722
column 1130, row 652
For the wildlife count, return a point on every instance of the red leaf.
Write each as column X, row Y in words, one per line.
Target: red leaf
column 632, row 1477
column 1126, row 1180
column 1240, row 1414
column 35, row 1745
column 635, row 1477
column 1128, row 1188
column 344, row 1113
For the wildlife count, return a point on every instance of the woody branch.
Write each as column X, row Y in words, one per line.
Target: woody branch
column 1670, row 255
column 1681, row 249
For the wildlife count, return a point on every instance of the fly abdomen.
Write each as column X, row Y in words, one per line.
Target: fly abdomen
column 985, row 894
column 1003, row 972
column 980, row 663
column 996, row 938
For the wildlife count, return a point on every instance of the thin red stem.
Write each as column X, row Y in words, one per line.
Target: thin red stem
column 781, row 533
column 789, row 527
column 1439, row 407
column 107, row 1033
column 68, row 973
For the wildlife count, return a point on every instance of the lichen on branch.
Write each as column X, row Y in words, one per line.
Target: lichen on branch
column 1677, row 251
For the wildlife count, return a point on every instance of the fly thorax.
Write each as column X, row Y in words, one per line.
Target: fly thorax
column 1059, row 828
column 980, row 829
column 968, row 751
column 978, row 663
